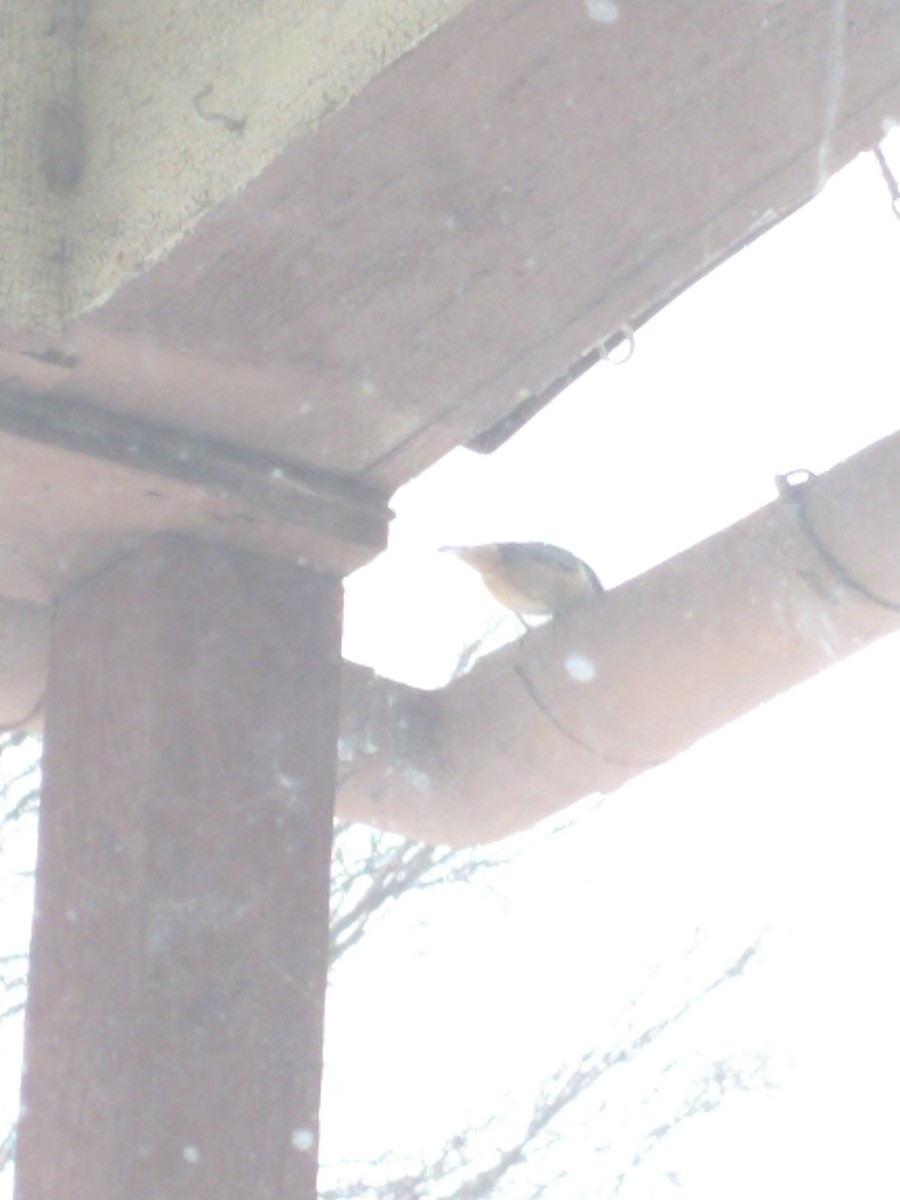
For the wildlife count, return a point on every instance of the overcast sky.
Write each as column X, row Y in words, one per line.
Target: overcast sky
column 780, row 827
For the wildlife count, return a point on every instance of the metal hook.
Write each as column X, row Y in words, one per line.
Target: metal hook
column 624, row 334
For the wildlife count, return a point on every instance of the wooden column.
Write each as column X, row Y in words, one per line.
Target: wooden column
column 174, row 1030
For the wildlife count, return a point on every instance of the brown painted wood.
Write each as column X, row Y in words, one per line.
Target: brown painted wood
column 81, row 486
column 479, row 219
column 174, row 1027
column 455, row 243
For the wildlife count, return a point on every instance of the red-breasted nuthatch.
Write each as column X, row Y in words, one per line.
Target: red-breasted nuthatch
column 531, row 577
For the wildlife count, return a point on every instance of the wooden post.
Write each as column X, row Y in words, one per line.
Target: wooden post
column 174, row 1027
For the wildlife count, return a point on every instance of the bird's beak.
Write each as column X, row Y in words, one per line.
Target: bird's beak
column 468, row 554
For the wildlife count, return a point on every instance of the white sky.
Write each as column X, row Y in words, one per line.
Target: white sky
column 783, row 824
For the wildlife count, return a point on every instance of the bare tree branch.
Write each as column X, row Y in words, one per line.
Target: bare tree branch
column 452, row 1175
column 372, row 870
column 8, row 1149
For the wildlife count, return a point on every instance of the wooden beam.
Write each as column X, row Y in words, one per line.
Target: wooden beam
column 478, row 221
column 174, row 1025
column 83, row 485
column 427, row 266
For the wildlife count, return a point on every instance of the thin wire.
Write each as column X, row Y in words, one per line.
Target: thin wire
column 890, row 180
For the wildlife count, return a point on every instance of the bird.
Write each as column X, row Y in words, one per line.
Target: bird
column 531, row 578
